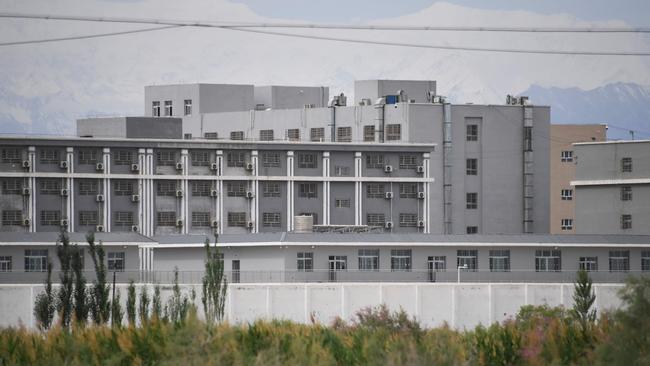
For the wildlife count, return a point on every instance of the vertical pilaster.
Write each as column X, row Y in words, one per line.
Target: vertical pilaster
column 255, row 202
column 290, row 187
column 358, row 190
column 106, row 190
column 142, row 189
column 219, row 201
column 69, row 181
column 31, row 211
column 150, row 206
column 326, row 188
column 528, row 170
column 426, row 158
column 185, row 185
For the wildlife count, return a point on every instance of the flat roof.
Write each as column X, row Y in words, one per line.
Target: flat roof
column 51, row 238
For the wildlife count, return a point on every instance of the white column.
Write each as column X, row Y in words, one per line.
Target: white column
column 326, row 188
column 290, row 197
column 358, row 190
column 70, row 186
column 149, row 206
column 106, row 189
column 255, row 202
column 220, row 218
column 31, row 213
column 426, row 188
column 142, row 188
column 185, row 214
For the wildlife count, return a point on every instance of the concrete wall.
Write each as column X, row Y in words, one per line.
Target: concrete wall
column 373, row 89
column 206, row 98
column 131, row 127
column 285, row 97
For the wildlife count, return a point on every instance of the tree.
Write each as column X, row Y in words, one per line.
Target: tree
column 143, row 307
column 156, row 304
column 117, row 314
column 100, row 306
column 65, row 252
column 583, row 299
column 81, row 300
column 178, row 305
column 44, row 307
column 130, row 303
column 214, row 284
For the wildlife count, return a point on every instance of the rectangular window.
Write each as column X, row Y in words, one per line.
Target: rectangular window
column 344, row 134
column 293, row 134
column 88, row 218
column 123, row 157
column 626, row 193
column 50, row 186
column 35, row 260
column 619, row 260
column 408, row 220
column 400, row 260
column 307, row 161
column 376, row 219
column 50, row 218
column 472, row 230
column 166, row 158
column 168, row 108
column 87, row 188
column 271, row 219
column 266, row 135
column 236, row 189
column 188, row 107
column 271, row 189
column 201, row 188
column 369, row 133
column 375, row 190
column 200, row 219
column 49, row 156
column 548, row 260
column 211, row 136
column 307, row 190
column 566, row 194
column 500, row 260
column 12, row 217
column 123, row 188
column 528, row 139
column 200, row 158
column 237, row 135
column 271, row 160
column 155, row 108
column 11, row 156
column 437, row 263
column 236, row 159
column 472, row 133
column 342, row 203
column 166, row 188
column 408, row 190
column 626, row 165
column 237, row 219
column 87, row 157
column 408, row 161
column 472, row 201
column 341, row 171
column 471, row 166
column 645, row 260
column 566, row 156
column 305, row 261
column 123, row 218
column 375, row 161
column 166, row 218
column 626, row 222
column 589, row 264
column 566, row 224
column 116, row 261
column 5, row 263
column 12, row 186
column 368, row 259
column 317, row 134
column 393, row 132
column 469, row 258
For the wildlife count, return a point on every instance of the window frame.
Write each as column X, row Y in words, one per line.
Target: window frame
column 548, row 260
column 393, row 132
column 467, row 257
column 166, row 218
column 626, row 165
column 344, row 134
column 317, row 134
column 499, row 260
column 116, row 261
column 272, row 219
column 368, row 260
column 36, row 260
column 236, row 219
column 200, row 219
column 123, row 218
column 311, row 192
column 305, row 261
column 401, row 260
column 619, row 260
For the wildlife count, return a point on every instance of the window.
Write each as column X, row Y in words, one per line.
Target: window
column 566, row 194
column 5, row 263
column 472, row 230
column 271, row 160
column 500, row 260
column 437, row 263
column 375, row 161
column 408, row 190
column 123, row 218
column 369, row 133
column 35, row 260
column 49, row 156
column 87, row 187
column 50, row 218
column 307, row 161
column 375, row 219
column 626, row 193
column 393, row 132
column 469, row 258
column 408, row 220
column 305, row 261
column 200, row 219
column 116, row 261
column 471, row 166
column 166, row 158
column 645, row 260
column 266, row 135
column 188, row 107
column 626, row 165
column 342, row 203
column 376, row 190
column 155, row 109
column 11, row 156
column 626, row 222
column 200, row 158
column 293, row 134
column 50, row 186
column 237, row 135
column 589, row 264
column 317, row 134
column 88, row 218
column 307, row 190
column 548, row 260
column 201, row 188
column 344, row 134
column 619, row 260
column 341, row 171
column 123, row 157
column 123, row 188
column 472, row 201
column 271, row 189
column 237, row 219
column 211, row 136
column 566, row 224
column 236, row 189
column 271, row 219
column 12, row 186
column 12, row 217
column 566, row 156
column 166, row 218
column 87, row 156
column 472, row 133
column 408, row 162
column 528, row 139
column 166, row 188
column 400, row 260
column 368, row 259
column 168, row 108
column 236, row 159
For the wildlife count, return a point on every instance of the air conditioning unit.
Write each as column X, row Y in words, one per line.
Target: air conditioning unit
column 388, row 225
column 249, row 167
column 26, row 191
column 134, row 228
column 389, row 195
column 250, row 194
column 99, row 167
column 421, row 195
column 179, row 166
column 213, row 193
column 179, row 223
column 99, row 228
column 64, row 222
column 388, row 169
column 63, row 164
column 64, row 192
column 214, row 224
column 27, row 222
column 179, row 193
column 214, row 166
column 135, row 198
column 250, row 224
column 100, row 198
column 420, row 169
column 135, row 168
column 420, row 224
column 26, row 164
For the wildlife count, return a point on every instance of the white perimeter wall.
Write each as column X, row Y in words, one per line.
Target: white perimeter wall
column 462, row 305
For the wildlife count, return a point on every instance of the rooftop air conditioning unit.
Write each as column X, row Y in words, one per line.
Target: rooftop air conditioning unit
column 26, row 164
column 135, row 168
column 250, row 194
column 420, row 169
column 63, row 164
column 99, row 167
column 214, row 224
column 421, row 195
column 249, row 167
column 420, row 224
column 214, row 166
column 99, row 228
column 388, row 169
column 26, row 191
column 99, row 198
column 27, row 222
column 179, row 193
column 179, row 166
column 64, row 192
column 179, row 223
column 135, row 198
column 250, row 224
column 64, row 222
column 134, row 228
column 213, row 193
column 388, row 225
column 389, row 195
